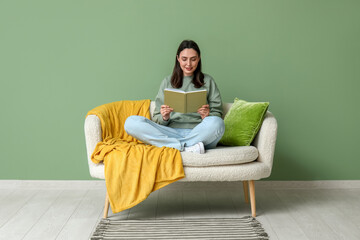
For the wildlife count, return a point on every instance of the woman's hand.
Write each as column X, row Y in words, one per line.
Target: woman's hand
column 204, row 111
column 165, row 112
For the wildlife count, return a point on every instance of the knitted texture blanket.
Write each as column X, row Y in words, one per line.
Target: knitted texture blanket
column 132, row 169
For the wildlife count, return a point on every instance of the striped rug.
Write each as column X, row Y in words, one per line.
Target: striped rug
column 194, row 228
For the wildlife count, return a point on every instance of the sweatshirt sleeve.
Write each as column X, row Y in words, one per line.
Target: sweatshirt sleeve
column 214, row 100
column 159, row 100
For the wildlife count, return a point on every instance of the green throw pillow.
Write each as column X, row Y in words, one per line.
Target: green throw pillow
column 242, row 122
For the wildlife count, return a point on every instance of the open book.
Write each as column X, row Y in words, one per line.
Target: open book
column 184, row 102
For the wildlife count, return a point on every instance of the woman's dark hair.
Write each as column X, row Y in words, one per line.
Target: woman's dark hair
column 177, row 75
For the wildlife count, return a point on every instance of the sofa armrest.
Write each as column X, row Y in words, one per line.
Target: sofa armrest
column 265, row 140
column 93, row 135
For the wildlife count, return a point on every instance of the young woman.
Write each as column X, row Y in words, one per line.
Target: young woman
column 190, row 132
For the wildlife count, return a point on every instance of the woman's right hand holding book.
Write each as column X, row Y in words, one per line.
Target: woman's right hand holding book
column 165, row 112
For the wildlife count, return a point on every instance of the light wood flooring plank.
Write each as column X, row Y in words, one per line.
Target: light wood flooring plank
column 327, row 210
column 305, row 216
column 284, row 213
column 145, row 209
column 262, row 217
column 28, row 215
column 5, row 192
column 84, row 217
column 281, row 221
column 348, row 201
column 13, row 202
column 51, row 223
column 221, row 204
column 265, row 223
column 170, row 204
column 244, row 209
column 195, row 204
column 123, row 215
column 99, row 218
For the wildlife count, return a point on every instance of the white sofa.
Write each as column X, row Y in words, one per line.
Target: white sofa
column 224, row 163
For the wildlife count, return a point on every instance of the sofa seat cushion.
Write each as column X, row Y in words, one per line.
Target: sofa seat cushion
column 221, row 155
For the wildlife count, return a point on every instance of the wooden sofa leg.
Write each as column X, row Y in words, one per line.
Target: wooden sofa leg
column 246, row 191
column 106, row 208
column 252, row 198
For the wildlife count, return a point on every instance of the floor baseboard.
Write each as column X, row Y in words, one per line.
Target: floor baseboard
column 53, row 184
column 96, row 184
column 318, row 184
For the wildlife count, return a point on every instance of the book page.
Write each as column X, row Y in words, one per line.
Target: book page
column 174, row 90
column 195, row 100
column 175, row 100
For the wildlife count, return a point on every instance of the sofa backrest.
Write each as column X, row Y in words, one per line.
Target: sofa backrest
column 226, row 107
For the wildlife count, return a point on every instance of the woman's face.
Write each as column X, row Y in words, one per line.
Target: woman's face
column 188, row 60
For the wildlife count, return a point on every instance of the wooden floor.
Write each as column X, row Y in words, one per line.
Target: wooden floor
column 71, row 211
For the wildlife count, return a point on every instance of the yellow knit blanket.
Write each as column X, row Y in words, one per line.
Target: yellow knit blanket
column 132, row 169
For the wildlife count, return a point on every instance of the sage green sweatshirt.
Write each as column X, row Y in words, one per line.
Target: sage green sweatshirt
column 188, row 120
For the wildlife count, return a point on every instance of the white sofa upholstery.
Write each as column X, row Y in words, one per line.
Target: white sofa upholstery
column 224, row 163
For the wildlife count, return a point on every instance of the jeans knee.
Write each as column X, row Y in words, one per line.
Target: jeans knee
column 132, row 123
column 217, row 124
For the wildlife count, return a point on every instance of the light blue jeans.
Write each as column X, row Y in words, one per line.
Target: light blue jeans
column 209, row 131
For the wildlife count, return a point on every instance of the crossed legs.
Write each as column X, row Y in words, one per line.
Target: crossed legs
column 209, row 131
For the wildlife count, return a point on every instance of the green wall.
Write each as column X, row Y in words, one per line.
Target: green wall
column 59, row 59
